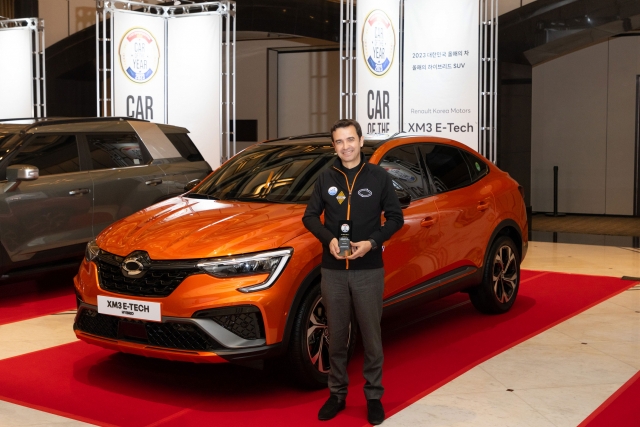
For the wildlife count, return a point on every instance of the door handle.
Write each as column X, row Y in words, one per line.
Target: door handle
column 154, row 181
column 78, row 191
column 427, row 222
column 483, row 205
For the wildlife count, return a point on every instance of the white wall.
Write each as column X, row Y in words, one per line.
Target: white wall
column 583, row 121
column 65, row 17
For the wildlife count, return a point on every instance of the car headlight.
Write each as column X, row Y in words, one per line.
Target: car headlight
column 92, row 251
column 271, row 263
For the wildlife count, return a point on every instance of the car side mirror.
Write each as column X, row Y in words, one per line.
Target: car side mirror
column 18, row 173
column 404, row 200
column 191, row 184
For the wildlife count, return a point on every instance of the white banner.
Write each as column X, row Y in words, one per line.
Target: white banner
column 377, row 66
column 16, row 73
column 139, row 63
column 193, row 80
column 441, row 69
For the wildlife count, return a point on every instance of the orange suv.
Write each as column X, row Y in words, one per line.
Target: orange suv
column 228, row 273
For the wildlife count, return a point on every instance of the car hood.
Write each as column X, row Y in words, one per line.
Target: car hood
column 185, row 228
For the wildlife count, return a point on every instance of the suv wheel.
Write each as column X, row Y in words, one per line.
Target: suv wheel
column 309, row 347
column 501, row 279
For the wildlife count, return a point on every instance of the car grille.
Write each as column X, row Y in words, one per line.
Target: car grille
column 174, row 335
column 161, row 278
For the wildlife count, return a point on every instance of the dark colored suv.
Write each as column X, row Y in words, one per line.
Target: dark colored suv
column 65, row 180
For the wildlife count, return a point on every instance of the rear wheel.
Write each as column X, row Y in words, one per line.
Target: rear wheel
column 501, row 279
column 309, row 347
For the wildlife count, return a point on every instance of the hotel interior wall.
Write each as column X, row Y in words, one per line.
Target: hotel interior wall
column 583, row 121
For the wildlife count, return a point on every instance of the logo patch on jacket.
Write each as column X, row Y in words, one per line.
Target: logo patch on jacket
column 364, row 192
column 341, row 197
column 333, row 191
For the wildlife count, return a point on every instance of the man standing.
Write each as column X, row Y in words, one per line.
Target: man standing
column 353, row 194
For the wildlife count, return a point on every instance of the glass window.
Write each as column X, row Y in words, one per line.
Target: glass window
column 115, row 150
column 270, row 173
column 447, row 166
column 185, row 146
column 403, row 165
column 51, row 154
column 477, row 167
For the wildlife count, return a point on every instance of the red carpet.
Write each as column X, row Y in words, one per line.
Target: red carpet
column 26, row 300
column 622, row 409
column 106, row 388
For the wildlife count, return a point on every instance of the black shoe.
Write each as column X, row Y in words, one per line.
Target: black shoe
column 375, row 411
column 331, row 407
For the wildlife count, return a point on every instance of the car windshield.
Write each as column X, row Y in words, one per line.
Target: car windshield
column 270, row 172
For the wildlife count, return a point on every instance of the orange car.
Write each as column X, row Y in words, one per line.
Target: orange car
column 228, row 273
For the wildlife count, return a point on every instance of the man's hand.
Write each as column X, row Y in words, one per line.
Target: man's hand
column 359, row 249
column 335, row 249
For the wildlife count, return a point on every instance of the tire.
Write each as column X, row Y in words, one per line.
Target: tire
column 308, row 355
column 500, row 280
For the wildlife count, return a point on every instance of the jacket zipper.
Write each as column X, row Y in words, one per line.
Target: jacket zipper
column 350, row 189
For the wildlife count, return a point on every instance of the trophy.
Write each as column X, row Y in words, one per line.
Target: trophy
column 344, row 241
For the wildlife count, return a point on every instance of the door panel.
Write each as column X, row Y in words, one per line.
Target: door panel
column 411, row 256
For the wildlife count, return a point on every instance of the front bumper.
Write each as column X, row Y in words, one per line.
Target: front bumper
column 175, row 338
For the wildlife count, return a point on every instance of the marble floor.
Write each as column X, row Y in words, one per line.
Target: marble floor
column 556, row 378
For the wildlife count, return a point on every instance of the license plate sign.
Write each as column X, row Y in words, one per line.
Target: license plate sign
column 143, row 310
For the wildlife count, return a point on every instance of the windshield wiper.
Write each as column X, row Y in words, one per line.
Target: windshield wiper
column 200, row 196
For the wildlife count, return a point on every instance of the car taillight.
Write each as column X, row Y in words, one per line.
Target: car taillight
column 521, row 190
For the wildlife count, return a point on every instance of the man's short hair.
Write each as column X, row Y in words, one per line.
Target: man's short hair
column 345, row 123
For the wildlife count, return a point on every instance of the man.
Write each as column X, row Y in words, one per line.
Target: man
column 354, row 193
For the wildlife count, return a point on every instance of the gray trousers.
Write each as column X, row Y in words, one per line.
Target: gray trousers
column 362, row 290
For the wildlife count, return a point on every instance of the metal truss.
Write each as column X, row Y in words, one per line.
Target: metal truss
column 105, row 56
column 488, row 80
column 348, row 96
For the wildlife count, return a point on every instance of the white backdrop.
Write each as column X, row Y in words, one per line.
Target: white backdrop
column 377, row 66
column 168, row 70
column 139, row 97
column 16, row 73
column 193, row 79
column 441, row 69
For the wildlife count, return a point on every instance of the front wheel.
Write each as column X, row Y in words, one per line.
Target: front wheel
column 500, row 280
column 309, row 347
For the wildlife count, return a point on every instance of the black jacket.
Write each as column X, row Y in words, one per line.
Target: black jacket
column 372, row 193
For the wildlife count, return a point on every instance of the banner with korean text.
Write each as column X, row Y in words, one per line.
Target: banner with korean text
column 441, row 69
column 378, row 66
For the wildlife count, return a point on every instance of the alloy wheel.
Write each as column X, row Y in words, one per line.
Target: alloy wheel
column 505, row 274
column 318, row 337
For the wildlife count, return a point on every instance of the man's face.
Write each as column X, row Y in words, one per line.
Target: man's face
column 347, row 144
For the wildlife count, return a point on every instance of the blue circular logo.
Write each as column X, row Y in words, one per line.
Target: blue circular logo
column 378, row 42
column 333, row 191
column 139, row 55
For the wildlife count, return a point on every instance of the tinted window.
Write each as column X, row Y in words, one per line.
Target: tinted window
column 477, row 167
column 403, row 165
column 447, row 166
column 267, row 172
column 114, row 150
column 185, row 146
column 51, row 154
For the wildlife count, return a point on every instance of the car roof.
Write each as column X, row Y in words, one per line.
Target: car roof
column 78, row 124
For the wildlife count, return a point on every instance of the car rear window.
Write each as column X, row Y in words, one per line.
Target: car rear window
column 115, row 150
column 447, row 166
column 477, row 167
column 185, row 146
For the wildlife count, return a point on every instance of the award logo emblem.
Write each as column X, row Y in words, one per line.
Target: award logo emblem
column 344, row 241
column 333, row 191
column 378, row 42
column 139, row 55
column 365, row 192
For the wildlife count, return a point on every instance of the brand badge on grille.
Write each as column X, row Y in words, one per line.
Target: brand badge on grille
column 132, row 266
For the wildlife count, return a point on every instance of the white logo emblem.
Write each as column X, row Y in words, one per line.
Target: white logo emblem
column 364, row 192
column 333, row 191
column 139, row 55
column 344, row 228
column 132, row 266
column 378, row 42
